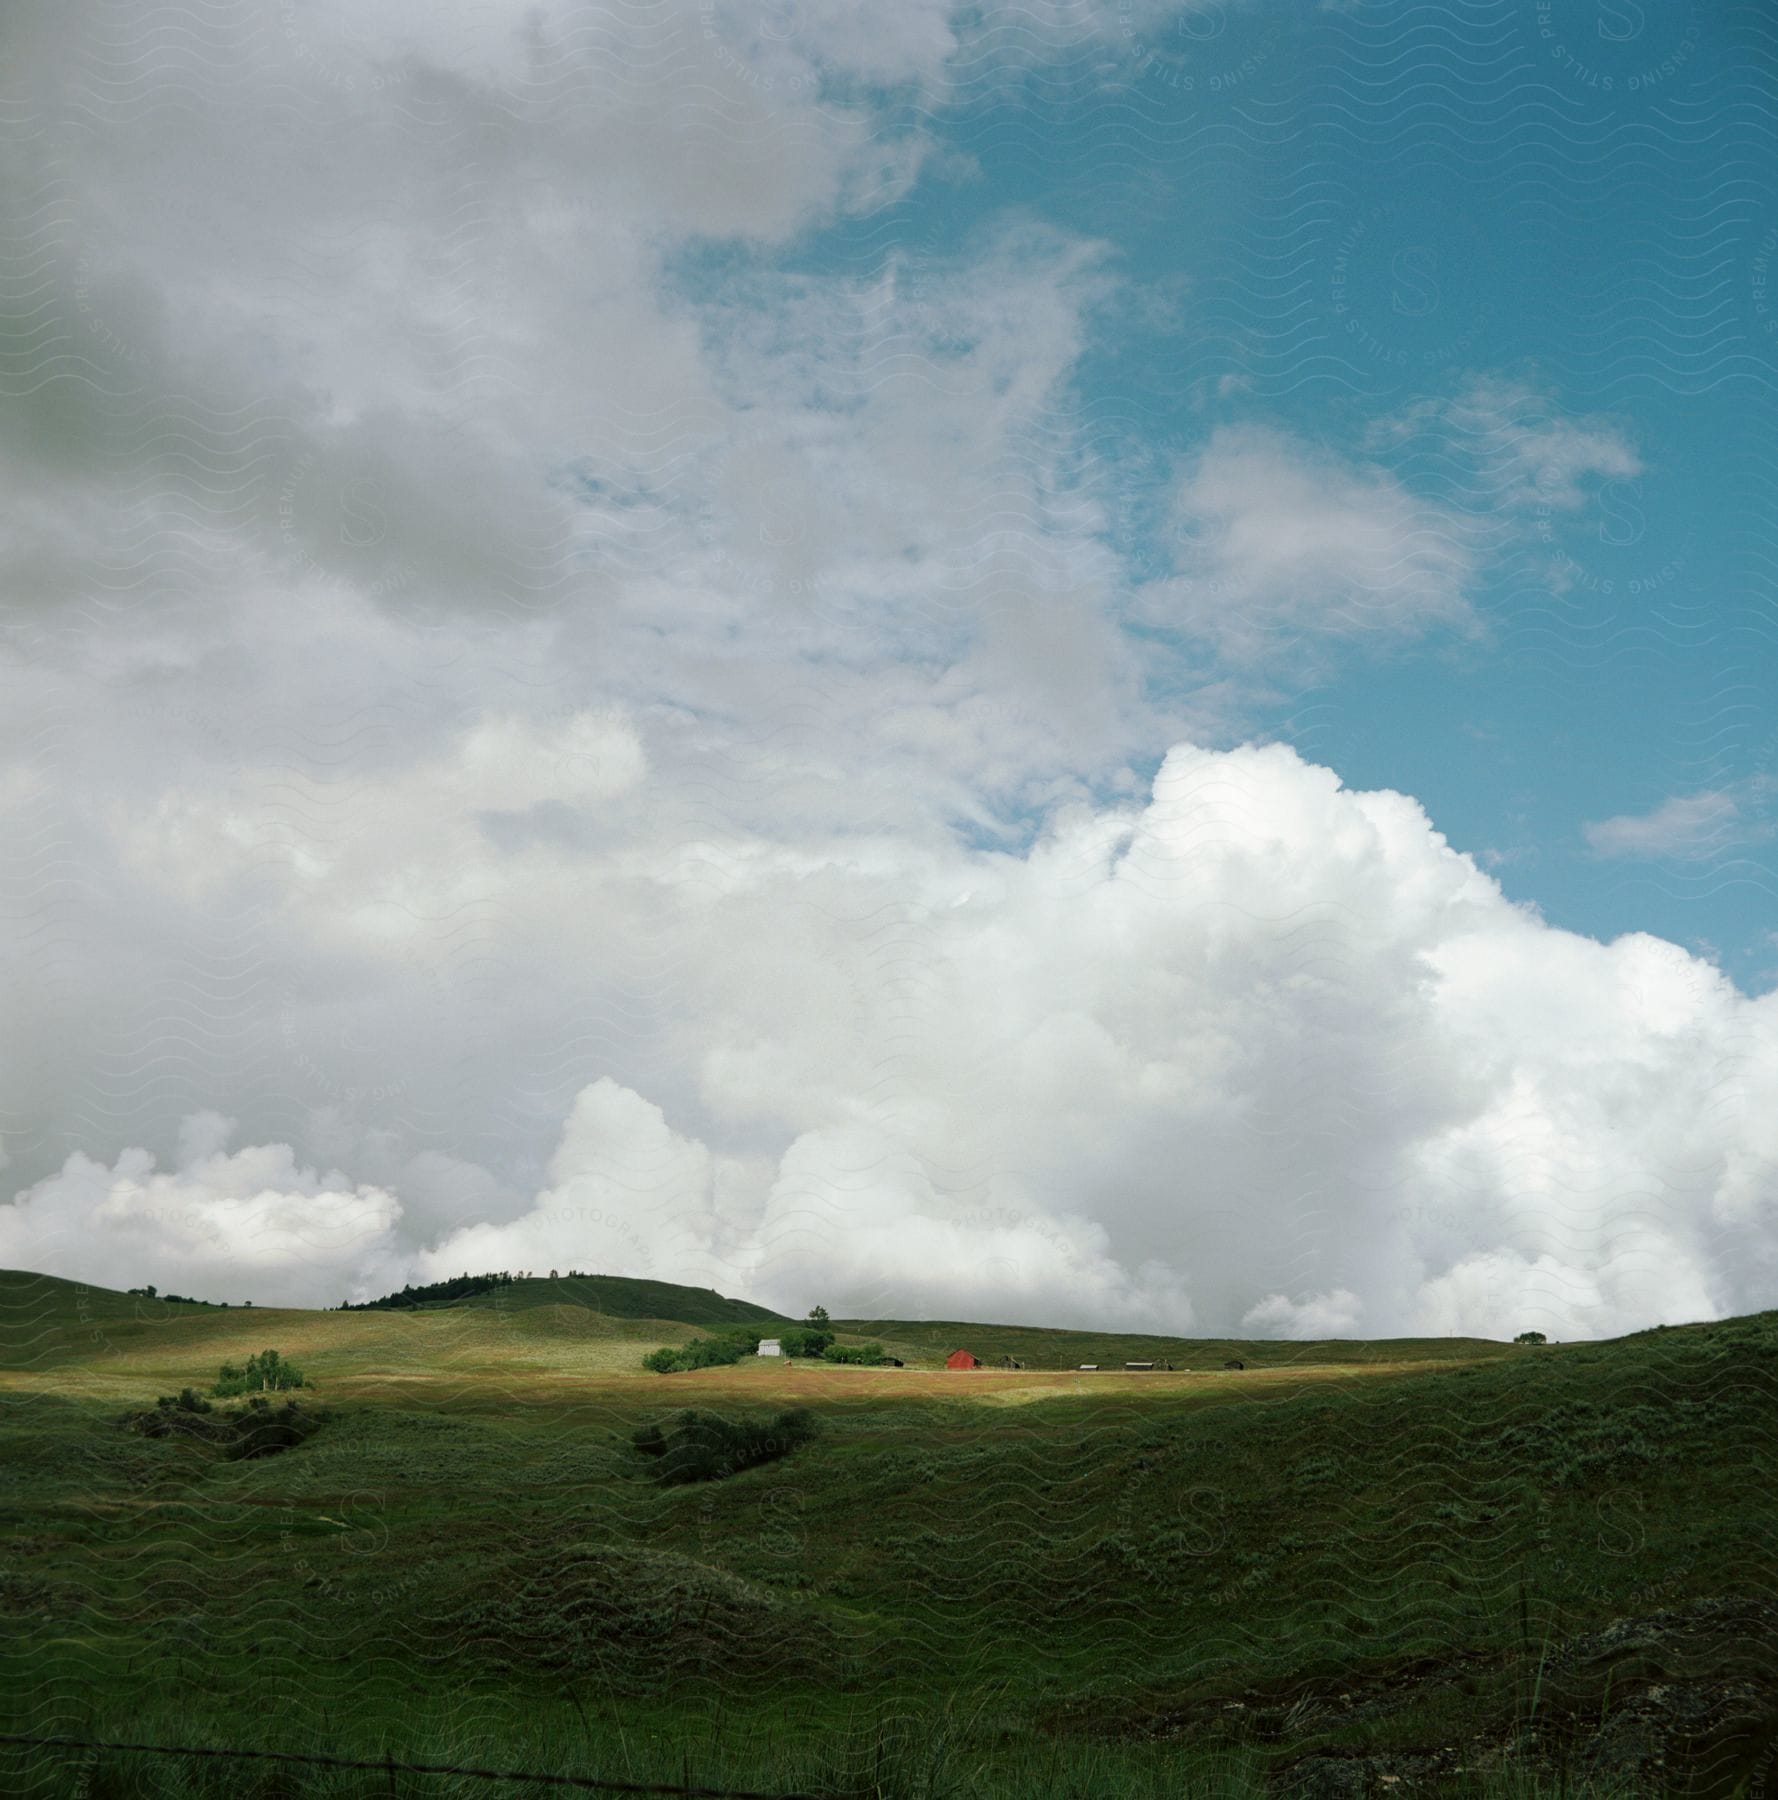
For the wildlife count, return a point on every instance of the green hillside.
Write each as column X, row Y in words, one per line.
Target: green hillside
column 1496, row 1571
column 627, row 1297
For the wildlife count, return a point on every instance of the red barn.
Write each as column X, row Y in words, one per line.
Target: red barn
column 961, row 1359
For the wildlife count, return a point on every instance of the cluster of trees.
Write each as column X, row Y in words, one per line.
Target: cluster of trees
column 459, row 1287
column 1531, row 1337
column 267, row 1372
column 149, row 1293
column 814, row 1339
column 812, row 1342
column 436, row 1293
column 804, row 1340
column 703, row 1353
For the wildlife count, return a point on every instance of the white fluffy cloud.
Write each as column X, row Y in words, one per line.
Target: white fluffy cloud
column 1713, row 822
column 1525, row 452
column 248, row 1225
column 1320, row 1316
column 1256, row 1052
column 1282, row 541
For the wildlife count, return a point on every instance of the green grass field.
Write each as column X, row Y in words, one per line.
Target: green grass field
column 1437, row 1566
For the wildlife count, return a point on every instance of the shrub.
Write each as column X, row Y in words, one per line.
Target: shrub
column 704, row 1446
column 260, row 1429
column 1531, row 1337
column 804, row 1340
column 166, row 1418
column 188, row 1400
column 264, row 1430
column 868, row 1354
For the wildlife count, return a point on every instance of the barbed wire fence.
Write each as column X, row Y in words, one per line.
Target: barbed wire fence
column 394, row 1768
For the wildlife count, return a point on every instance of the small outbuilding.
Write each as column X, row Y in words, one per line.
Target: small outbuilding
column 1234, row 1362
column 962, row 1359
column 1089, row 1366
column 770, row 1347
column 1139, row 1365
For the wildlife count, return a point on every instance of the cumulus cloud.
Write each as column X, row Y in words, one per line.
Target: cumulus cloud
column 248, row 1225
column 1320, row 1316
column 1257, row 1051
column 627, row 1195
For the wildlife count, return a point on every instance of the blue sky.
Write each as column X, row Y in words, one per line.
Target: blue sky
column 1319, row 218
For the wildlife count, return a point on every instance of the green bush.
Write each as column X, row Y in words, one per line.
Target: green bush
column 1531, row 1337
column 804, row 1340
column 703, row 1353
column 868, row 1354
column 704, row 1446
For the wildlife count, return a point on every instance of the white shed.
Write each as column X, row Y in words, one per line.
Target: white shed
column 769, row 1347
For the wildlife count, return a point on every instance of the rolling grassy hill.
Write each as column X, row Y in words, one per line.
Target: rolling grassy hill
column 1469, row 1568
column 628, row 1297
column 1039, row 1347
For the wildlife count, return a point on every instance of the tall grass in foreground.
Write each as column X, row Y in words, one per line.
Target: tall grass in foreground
column 909, row 1759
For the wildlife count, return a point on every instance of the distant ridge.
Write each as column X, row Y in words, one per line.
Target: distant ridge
column 32, row 1303
column 617, row 1296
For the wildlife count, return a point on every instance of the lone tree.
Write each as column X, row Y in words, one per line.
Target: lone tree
column 1531, row 1337
column 818, row 1316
